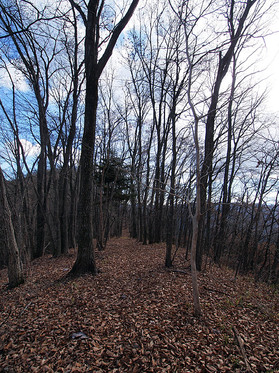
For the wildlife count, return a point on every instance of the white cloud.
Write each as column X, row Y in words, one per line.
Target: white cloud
column 30, row 150
column 272, row 63
column 10, row 75
column 7, row 157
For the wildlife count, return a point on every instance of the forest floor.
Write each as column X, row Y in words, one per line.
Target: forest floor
column 136, row 316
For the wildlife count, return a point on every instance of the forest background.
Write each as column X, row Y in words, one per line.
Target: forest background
column 170, row 135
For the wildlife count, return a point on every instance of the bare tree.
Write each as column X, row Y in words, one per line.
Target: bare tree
column 237, row 25
column 263, row 184
column 33, row 55
column 196, row 216
column 94, row 66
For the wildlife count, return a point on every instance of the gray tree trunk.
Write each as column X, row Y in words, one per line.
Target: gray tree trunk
column 15, row 271
column 85, row 262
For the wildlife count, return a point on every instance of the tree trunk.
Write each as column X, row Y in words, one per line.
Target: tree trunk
column 225, row 209
column 15, row 271
column 196, row 297
column 41, row 205
column 195, row 219
column 85, row 261
column 169, row 232
column 170, row 212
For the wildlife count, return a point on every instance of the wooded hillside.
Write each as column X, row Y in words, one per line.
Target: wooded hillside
column 152, row 114
column 149, row 118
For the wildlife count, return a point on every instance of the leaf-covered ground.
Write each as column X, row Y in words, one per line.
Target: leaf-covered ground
column 136, row 316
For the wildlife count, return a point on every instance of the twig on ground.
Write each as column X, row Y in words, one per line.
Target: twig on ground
column 25, row 308
column 242, row 349
column 6, row 318
column 215, row 290
column 178, row 271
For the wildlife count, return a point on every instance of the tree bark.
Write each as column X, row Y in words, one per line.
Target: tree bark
column 85, row 262
column 15, row 271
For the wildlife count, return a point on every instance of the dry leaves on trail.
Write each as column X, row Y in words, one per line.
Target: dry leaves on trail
column 135, row 316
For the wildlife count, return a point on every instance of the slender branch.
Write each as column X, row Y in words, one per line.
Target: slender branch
column 114, row 37
column 81, row 12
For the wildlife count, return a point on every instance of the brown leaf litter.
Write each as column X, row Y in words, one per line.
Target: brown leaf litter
column 136, row 316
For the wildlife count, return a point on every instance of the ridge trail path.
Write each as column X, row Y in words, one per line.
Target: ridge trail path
column 135, row 316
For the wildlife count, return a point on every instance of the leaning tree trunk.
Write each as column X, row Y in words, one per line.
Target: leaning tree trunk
column 15, row 272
